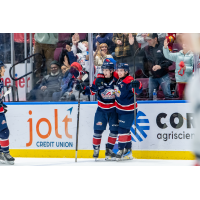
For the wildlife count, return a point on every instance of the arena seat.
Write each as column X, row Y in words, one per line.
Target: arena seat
column 145, row 85
column 176, row 47
column 57, row 53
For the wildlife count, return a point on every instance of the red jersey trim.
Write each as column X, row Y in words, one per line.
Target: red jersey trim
column 128, row 79
column 140, row 85
column 94, row 81
column 106, row 105
column 1, row 109
column 92, row 93
column 100, row 76
column 126, row 108
column 115, row 74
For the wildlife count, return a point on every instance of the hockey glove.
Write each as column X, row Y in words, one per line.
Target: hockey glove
column 135, row 84
column 100, row 80
column 80, row 87
column 74, row 72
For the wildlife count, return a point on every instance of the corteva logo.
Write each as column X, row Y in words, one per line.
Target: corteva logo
column 66, row 120
column 169, row 125
column 142, row 125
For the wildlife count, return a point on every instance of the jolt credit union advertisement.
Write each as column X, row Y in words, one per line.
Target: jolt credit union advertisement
column 42, row 126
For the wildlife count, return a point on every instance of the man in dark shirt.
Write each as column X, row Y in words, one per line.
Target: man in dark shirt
column 157, row 65
column 50, row 83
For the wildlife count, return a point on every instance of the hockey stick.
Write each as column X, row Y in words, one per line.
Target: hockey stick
column 77, row 130
column 7, row 92
column 139, row 47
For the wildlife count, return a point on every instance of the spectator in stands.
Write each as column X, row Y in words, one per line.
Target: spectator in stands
column 69, row 83
column 45, row 42
column 67, row 56
column 50, row 84
column 185, row 73
column 141, row 38
column 157, row 65
column 104, row 38
column 123, row 42
column 100, row 55
column 83, row 57
column 64, row 86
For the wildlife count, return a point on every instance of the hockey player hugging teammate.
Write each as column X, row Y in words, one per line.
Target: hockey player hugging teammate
column 4, row 132
column 106, row 111
column 125, row 105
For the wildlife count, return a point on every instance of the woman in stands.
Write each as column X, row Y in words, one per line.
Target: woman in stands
column 100, row 55
column 184, row 65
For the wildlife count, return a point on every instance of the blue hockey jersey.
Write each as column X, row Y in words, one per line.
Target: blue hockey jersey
column 124, row 100
column 106, row 94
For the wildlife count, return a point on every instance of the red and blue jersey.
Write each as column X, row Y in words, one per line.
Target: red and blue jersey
column 124, row 95
column 106, row 94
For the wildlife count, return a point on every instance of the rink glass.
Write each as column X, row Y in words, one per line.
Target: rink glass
column 14, row 47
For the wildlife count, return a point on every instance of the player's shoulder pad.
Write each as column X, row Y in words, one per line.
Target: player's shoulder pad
column 128, row 79
column 115, row 75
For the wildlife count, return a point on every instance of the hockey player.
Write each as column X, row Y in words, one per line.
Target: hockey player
column 106, row 112
column 125, row 105
column 4, row 132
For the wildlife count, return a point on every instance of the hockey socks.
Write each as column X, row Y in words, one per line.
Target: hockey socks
column 4, row 145
column 124, row 138
column 97, row 139
column 112, row 139
column 129, row 142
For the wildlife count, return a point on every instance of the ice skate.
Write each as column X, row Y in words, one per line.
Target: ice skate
column 96, row 154
column 2, row 160
column 119, row 155
column 110, row 155
column 8, row 158
column 127, row 154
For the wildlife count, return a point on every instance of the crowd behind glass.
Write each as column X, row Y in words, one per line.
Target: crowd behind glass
column 162, row 62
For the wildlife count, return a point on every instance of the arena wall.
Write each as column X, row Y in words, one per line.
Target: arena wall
column 165, row 130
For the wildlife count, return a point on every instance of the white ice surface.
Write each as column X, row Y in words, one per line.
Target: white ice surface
column 100, row 162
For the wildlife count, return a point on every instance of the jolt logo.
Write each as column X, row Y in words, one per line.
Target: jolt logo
column 66, row 120
column 140, row 129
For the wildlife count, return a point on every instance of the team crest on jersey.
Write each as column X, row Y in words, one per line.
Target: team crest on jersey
column 3, row 122
column 117, row 91
column 99, row 123
column 108, row 94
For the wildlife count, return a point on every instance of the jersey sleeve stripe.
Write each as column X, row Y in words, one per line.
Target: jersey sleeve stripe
column 106, row 106
column 125, row 108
